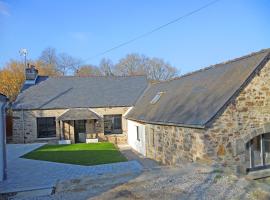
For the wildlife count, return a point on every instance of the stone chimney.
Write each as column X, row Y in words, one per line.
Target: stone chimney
column 31, row 74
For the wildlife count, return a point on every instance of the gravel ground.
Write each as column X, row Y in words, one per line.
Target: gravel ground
column 191, row 181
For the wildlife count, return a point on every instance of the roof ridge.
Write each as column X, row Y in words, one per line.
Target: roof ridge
column 97, row 76
column 218, row 64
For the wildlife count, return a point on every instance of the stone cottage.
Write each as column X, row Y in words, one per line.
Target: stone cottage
column 217, row 114
column 220, row 114
column 74, row 109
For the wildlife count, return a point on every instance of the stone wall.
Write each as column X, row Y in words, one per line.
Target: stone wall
column 224, row 140
column 114, row 138
column 246, row 117
column 172, row 145
column 25, row 126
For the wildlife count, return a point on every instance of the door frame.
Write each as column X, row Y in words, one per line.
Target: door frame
column 76, row 133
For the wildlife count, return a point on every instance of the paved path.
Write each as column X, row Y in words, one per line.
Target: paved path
column 130, row 154
column 26, row 174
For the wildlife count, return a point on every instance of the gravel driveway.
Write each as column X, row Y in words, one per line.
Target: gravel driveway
column 25, row 174
column 191, row 181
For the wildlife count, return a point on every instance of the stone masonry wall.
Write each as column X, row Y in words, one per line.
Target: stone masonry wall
column 29, row 134
column 114, row 138
column 172, row 145
column 245, row 118
column 223, row 141
column 25, row 125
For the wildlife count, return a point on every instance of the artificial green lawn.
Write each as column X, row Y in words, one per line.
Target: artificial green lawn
column 80, row 154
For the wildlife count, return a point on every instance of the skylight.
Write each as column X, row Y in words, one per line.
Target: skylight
column 156, row 98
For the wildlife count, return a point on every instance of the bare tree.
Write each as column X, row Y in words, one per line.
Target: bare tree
column 48, row 56
column 132, row 64
column 157, row 69
column 47, row 62
column 153, row 68
column 67, row 64
column 87, row 70
column 106, row 67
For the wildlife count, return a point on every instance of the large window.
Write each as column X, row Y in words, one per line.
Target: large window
column 46, row 127
column 259, row 152
column 112, row 124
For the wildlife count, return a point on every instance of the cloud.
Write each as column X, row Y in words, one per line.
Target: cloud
column 4, row 9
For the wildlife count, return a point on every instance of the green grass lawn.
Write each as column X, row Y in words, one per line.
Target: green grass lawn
column 79, row 154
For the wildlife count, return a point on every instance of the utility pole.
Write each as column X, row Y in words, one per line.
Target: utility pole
column 23, row 52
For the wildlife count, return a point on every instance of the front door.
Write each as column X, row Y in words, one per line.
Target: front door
column 80, row 131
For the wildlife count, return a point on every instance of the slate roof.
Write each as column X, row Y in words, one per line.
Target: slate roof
column 194, row 99
column 78, row 114
column 81, row 92
column 3, row 98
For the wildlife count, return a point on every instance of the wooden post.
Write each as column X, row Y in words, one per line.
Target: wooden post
column 61, row 130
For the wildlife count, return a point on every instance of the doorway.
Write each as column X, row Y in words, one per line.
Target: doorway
column 259, row 152
column 80, row 131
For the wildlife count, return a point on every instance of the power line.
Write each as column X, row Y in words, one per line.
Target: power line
column 153, row 30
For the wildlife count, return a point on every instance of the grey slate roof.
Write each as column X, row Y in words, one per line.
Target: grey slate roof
column 81, row 92
column 194, row 99
column 78, row 114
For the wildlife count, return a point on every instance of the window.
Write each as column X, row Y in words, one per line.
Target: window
column 46, row 127
column 112, row 124
column 156, row 98
column 138, row 133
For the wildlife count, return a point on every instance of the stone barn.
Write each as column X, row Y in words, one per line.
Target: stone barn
column 220, row 114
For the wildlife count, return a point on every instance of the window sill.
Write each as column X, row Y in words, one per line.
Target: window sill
column 114, row 134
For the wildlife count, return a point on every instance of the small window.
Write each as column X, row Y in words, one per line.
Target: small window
column 156, row 98
column 112, row 124
column 138, row 133
column 46, row 127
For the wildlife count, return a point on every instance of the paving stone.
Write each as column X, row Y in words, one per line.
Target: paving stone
column 26, row 174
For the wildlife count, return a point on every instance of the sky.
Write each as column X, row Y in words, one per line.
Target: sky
column 81, row 28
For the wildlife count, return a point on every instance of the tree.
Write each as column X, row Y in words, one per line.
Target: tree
column 67, row 64
column 106, row 67
column 132, row 64
column 47, row 62
column 157, row 69
column 48, row 56
column 12, row 79
column 153, row 68
column 87, row 70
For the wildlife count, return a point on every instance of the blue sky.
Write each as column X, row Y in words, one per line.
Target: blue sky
column 228, row 29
